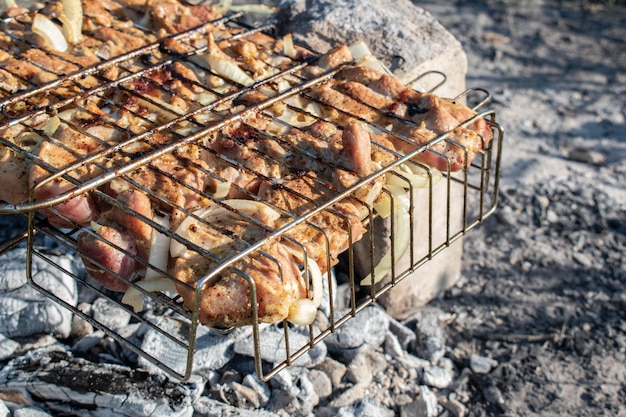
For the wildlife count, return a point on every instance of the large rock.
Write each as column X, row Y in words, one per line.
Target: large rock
column 410, row 42
column 407, row 39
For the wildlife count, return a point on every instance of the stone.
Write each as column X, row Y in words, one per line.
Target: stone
column 4, row 410
column 454, row 406
column 392, row 346
column 368, row 328
column 437, row 377
column 404, row 334
column 425, row 405
column 367, row 407
column 334, row 369
column 321, row 383
column 482, row 365
column 349, row 396
column 359, row 371
column 431, row 339
column 407, row 39
column 26, row 311
column 410, row 42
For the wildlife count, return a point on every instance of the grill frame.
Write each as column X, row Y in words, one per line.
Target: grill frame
column 479, row 182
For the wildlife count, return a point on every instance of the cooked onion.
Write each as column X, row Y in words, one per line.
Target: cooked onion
column 225, row 66
column 401, row 234
column 302, row 312
column 29, row 141
column 133, row 296
column 50, row 32
column 222, row 189
column 10, row 3
column 159, row 250
column 72, row 19
column 216, row 212
column 288, row 47
column 417, row 176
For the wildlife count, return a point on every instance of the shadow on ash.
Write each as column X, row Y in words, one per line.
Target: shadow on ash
column 388, row 360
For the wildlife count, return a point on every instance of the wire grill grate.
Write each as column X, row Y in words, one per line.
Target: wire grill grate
column 141, row 108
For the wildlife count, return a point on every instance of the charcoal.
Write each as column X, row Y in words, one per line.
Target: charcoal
column 7, row 347
column 213, row 350
column 109, row 314
column 272, row 341
column 26, row 311
column 53, row 375
column 260, row 387
column 30, row 412
column 207, row 407
column 298, row 401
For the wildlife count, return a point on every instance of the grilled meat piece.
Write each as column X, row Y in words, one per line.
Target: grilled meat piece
column 272, row 271
column 382, row 99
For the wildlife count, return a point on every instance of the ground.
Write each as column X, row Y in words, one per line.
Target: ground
column 544, row 279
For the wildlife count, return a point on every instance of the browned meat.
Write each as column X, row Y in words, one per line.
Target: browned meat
column 109, row 256
column 273, row 272
column 14, row 171
column 341, row 224
column 373, row 96
column 174, row 17
column 77, row 210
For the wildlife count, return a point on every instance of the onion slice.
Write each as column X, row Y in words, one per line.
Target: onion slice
column 72, row 19
column 401, row 235
column 224, row 65
column 50, row 32
column 417, row 176
column 133, row 296
column 159, row 250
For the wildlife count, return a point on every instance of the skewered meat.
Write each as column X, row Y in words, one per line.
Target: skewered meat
column 248, row 173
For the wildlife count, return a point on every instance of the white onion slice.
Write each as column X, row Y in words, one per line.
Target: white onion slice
column 159, row 249
column 417, row 176
column 215, row 212
column 222, row 189
column 288, row 47
column 72, row 19
column 401, row 235
column 224, row 65
column 50, row 32
column 229, row 70
column 302, row 312
column 133, row 297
